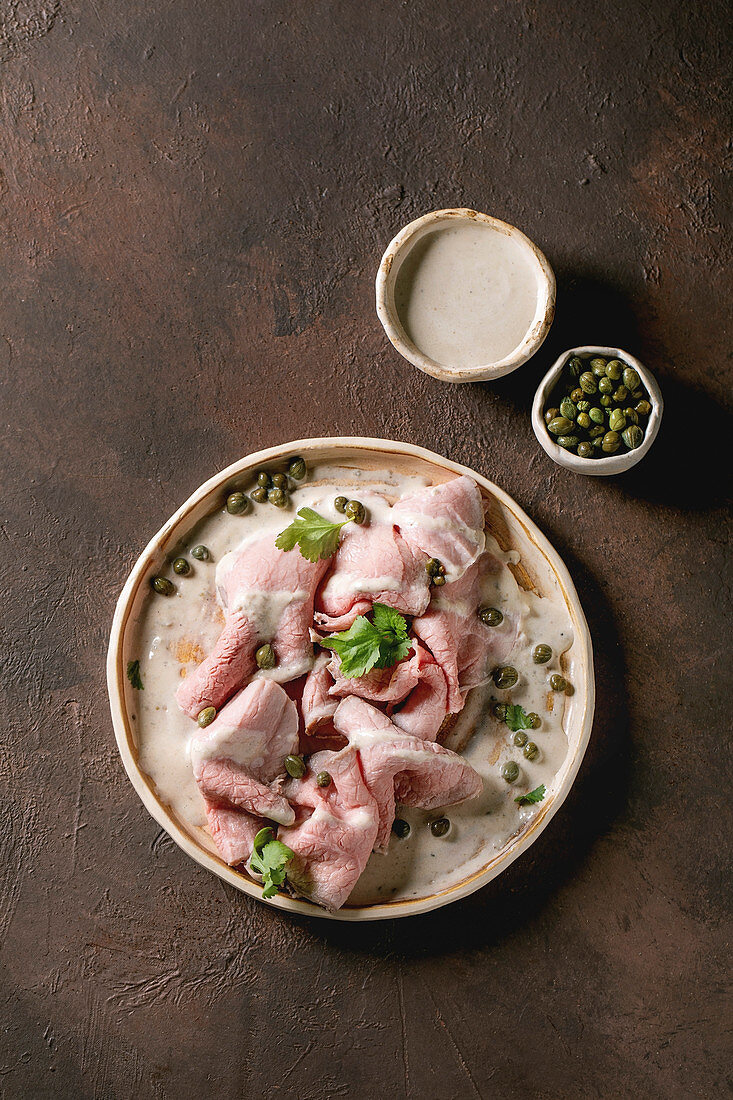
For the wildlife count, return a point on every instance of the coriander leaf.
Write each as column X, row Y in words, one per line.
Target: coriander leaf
column 317, row 537
column 533, row 796
column 367, row 645
column 386, row 618
column 270, row 858
column 517, row 718
column 133, row 675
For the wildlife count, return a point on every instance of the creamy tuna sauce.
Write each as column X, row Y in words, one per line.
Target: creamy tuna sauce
column 173, row 634
column 466, row 294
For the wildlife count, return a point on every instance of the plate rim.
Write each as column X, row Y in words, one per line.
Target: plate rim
column 158, row 811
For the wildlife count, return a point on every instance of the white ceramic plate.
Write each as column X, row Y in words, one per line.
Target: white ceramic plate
column 540, row 568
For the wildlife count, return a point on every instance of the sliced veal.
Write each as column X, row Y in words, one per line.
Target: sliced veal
column 444, row 521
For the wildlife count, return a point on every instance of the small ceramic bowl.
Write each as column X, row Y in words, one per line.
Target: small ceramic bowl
column 397, row 252
column 611, row 464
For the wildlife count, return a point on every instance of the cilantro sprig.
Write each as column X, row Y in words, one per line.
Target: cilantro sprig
column 531, row 797
column 315, row 536
column 133, row 675
column 269, row 858
column 380, row 643
column 517, row 718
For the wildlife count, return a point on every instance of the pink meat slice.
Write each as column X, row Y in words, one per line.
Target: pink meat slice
column 233, row 832
column 423, row 712
column 238, row 763
column 464, row 647
column 373, row 564
column 335, row 830
column 261, row 572
column 317, row 704
column 380, row 685
column 445, row 522
column 408, row 769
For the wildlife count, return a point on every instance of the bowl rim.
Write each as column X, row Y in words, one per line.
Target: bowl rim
column 612, row 464
column 387, row 273
column 184, row 839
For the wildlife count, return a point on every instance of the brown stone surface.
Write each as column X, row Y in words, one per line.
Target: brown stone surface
column 193, row 201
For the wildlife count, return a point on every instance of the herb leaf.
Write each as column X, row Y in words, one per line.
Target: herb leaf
column 269, row 858
column 517, row 718
column 532, row 796
column 367, row 645
column 317, row 537
column 133, row 675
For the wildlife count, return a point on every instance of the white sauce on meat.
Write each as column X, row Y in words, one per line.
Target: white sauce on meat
column 173, row 634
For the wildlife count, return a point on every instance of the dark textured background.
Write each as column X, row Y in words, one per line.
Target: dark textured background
column 193, row 201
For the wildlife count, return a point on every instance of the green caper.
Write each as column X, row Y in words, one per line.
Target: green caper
column 505, row 677
column 605, row 385
column 638, row 394
column 534, row 720
column 265, row 656
column 584, row 406
column 606, row 400
column 280, row 481
column 181, row 567
column 617, row 420
column 530, row 750
column 206, row 716
column 632, row 416
column 631, row 378
column 491, row 616
column 584, row 421
column 264, row 479
column 614, row 369
column 598, row 366
column 401, row 828
column 551, row 414
column 541, row 654
column 588, row 383
column 520, row 739
column 323, row 779
column 585, row 449
column 576, row 366
column 598, row 440
column 576, row 395
column 567, row 441
column 643, row 408
column 599, row 429
column 200, row 552
column 433, row 567
column 596, row 415
column 620, row 395
column 278, row 497
column 356, row 511
column 440, row 827
column 294, row 766
column 611, row 443
column 510, row 771
column 499, row 711
column 340, row 504
column 568, row 409
column 633, row 437
column 163, row 586
column 560, row 425
column 558, row 683
column 438, row 580
column 297, row 468
column 259, row 494
column 237, row 503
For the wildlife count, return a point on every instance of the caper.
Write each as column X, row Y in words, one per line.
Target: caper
column 551, row 414
column 510, row 771
column 620, row 395
column 632, row 416
column 558, row 683
column 433, row 566
column 264, row 479
column 323, row 779
column 614, row 369
column 617, row 420
column 259, row 494
column 294, row 766
column 278, row 497
column 598, row 366
column 505, row 677
column 541, row 654
column 163, row 586
column 440, row 827
column 568, row 409
column 611, row 443
column 401, row 828
column 605, row 385
column 633, row 437
column 520, row 738
column 631, row 378
column 355, row 510
column 598, row 429
column 530, row 750
column 584, row 406
column 340, row 504
column 236, row 504
column 585, row 449
column 280, row 481
column 265, row 656
column 534, row 720
column 584, row 421
column 181, row 567
column 588, row 383
column 297, row 468
column 499, row 711
column 576, row 395
column 638, row 394
column 596, row 415
column 643, row 408
column 492, row 616
column 206, row 716
column 560, row 425
column 438, row 580
column 598, row 440
column 200, row 552
column 606, row 400
column 567, row 441
column 576, row 366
